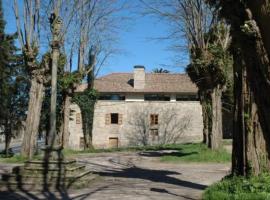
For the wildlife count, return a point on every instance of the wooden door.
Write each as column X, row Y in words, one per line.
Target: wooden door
column 113, row 142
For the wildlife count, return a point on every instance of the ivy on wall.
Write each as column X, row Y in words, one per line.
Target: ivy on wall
column 86, row 101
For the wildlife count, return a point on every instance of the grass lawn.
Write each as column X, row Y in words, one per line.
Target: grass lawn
column 194, row 152
column 197, row 152
column 17, row 158
column 239, row 188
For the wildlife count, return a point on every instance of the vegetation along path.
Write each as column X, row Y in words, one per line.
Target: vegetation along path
column 142, row 176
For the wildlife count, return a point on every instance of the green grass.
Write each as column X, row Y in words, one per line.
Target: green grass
column 227, row 142
column 239, row 188
column 70, row 152
column 197, row 152
column 13, row 159
column 17, row 159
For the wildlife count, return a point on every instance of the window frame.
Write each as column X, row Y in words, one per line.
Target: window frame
column 116, row 119
column 153, row 119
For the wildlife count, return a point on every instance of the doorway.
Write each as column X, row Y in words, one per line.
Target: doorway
column 113, row 142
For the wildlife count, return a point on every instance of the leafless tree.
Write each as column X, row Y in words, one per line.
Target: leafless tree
column 169, row 128
column 28, row 22
column 193, row 21
column 97, row 22
column 28, row 28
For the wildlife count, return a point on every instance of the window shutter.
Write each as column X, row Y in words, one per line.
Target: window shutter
column 78, row 118
column 120, row 119
column 107, row 119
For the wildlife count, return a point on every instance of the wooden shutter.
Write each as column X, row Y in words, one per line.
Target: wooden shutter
column 152, row 120
column 156, row 119
column 107, row 119
column 120, row 119
column 78, row 118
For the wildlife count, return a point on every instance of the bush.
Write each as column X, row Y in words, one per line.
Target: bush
column 240, row 188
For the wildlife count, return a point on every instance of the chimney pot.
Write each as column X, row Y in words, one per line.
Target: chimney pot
column 139, row 77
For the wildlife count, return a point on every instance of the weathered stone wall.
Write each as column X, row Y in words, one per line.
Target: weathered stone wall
column 75, row 128
column 131, row 113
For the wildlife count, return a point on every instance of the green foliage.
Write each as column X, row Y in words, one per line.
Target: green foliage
column 160, row 70
column 240, row 188
column 69, row 79
column 212, row 66
column 86, row 101
column 18, row 158
column 13, row 83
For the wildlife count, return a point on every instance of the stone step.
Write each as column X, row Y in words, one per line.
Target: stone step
column 73, row 168
column 35, row 184
column 51, row 162
column 40, row 176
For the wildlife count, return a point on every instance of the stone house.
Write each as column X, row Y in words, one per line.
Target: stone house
column 141, row 108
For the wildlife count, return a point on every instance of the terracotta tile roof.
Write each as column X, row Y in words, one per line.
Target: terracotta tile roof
column 154, row 83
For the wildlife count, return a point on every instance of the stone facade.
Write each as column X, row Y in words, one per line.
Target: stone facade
column 75, row 128
column 141, row 108
column 181, row 118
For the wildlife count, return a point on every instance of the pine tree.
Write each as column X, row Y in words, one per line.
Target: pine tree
column 11, row 94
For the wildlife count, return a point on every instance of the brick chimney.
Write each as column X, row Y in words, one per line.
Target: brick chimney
column 139, row 77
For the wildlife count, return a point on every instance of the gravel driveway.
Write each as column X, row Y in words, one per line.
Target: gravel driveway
column 141, row 177
column 138, row 176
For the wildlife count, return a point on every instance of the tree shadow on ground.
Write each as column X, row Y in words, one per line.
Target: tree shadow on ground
column 158, row 176
column 161, row 153
column 47, row 180
column 162, row 190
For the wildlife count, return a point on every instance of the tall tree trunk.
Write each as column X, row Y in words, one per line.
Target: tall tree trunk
column 52, row 133
column 216, row 119
column 205, row 116
column 7, row 144
column 66, row 115
column 7, row 136
column 56, row 25
column 251, row 145
column 33, row 118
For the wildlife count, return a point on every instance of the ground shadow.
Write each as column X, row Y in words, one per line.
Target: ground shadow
column 159, row 176
column 165, row 153
column 39, row 179
column 162, row 190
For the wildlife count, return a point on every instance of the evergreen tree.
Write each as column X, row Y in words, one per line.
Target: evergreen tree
column 160, row 70
column 12, row 84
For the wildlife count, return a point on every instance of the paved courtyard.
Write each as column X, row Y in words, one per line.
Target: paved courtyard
column 138, row 176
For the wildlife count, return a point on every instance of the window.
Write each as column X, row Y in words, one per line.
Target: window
column 156, row 97
column 186, row 98
column 117, row 97
column 78, row 118
column 114, row 118
column 153, row 119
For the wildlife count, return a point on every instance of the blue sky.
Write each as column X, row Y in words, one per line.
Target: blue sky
column 136, row 43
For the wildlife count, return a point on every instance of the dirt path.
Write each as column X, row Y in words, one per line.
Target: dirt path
column 134, row 176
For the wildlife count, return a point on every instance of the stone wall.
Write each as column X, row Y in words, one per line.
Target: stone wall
column 132, row 120
column 75, row 127
column 135, row 117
